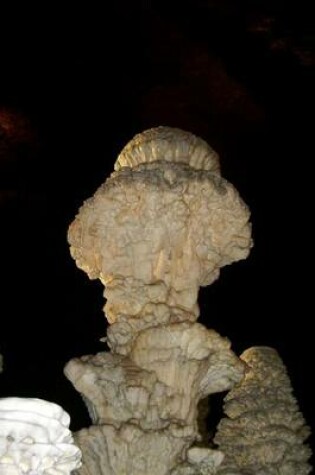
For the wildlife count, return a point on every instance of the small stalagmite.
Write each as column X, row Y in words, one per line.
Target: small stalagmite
column 264, row 431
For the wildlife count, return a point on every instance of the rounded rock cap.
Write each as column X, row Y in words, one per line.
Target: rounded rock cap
column 171, row 145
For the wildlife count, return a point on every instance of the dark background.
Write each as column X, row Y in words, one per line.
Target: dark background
column 75, row 85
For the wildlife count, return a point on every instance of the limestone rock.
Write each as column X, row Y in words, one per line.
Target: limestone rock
column 160, row 383
column 155, row 232
column 264, row 432
column 170, row 145
column 200, row 461
column 128, row 450
column 160, row 227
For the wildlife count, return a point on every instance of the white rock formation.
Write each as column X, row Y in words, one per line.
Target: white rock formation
column 35, row 438
column 159, row 228
column 264, row 432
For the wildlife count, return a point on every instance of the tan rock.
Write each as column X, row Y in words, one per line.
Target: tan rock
column 159, row 228
column 35, row 438
column 162, row 380
column 264, row 432
column 128, row 450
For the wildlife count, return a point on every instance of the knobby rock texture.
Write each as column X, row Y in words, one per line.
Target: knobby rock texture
column 35, row 438
column 264, row 431
column 161, row 226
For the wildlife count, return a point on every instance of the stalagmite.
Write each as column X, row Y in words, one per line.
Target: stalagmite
column 264, row 432
column 160, row 227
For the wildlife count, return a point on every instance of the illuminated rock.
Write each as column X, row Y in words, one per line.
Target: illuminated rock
column 157, row 230
column 160, row 227
column 35, row 438
column 264, row 432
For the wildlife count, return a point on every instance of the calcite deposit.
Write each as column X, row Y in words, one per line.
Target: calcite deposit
column 35, row 438
column 156, row 231
column 161, row 226
column 264, row 431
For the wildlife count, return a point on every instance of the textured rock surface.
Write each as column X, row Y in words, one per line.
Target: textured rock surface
column 160, row 383
column 35, row 438
column 162, row 227
column 169, row 145
column 128, row 450
column 264, row 431
column 159, row 228
column 200, row 461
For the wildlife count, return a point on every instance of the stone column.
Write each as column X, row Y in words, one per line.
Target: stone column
column 160, row 227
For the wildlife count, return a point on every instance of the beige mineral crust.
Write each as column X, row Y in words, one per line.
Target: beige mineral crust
column 264, row 431
column 161, row 226
column 159, row 384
